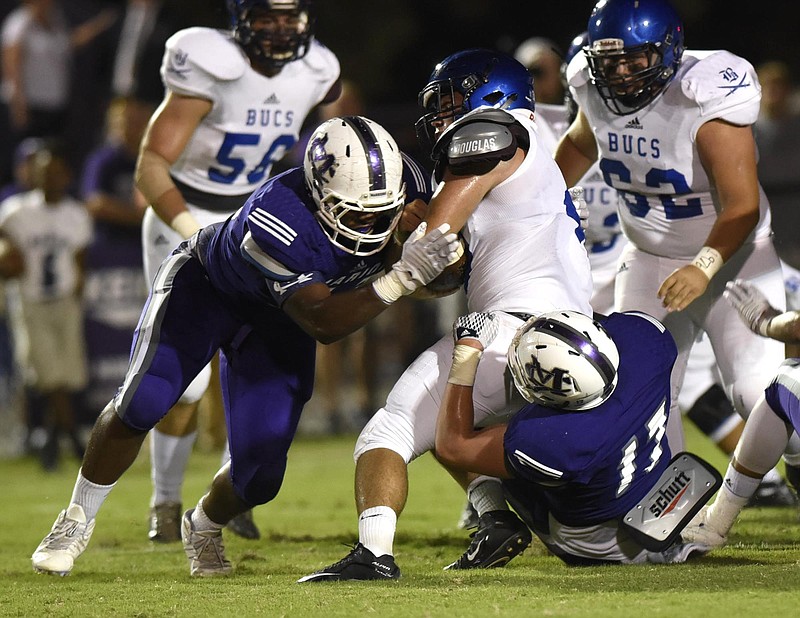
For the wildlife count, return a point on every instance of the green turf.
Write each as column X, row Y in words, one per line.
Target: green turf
column 308, row 525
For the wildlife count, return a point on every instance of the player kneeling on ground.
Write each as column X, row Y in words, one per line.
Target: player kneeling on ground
column 585, row 464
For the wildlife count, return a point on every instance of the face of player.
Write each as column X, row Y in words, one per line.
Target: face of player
column 449, row 105
column 626, row 72
column 277, row 30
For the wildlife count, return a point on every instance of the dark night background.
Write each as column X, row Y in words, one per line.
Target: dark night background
column 389, row 48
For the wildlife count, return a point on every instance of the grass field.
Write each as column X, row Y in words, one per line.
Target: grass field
column 311, row 521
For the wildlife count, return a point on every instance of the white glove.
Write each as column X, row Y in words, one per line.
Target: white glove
column 752, row 305
column 423, row 258
column 483, row 327
column 576, row 193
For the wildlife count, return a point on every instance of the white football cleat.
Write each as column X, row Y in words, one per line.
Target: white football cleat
column 699, row 530
column 204, row 549
column 67, row 540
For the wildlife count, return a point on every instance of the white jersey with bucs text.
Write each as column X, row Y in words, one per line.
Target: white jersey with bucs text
column 254, row 119
column 668, row 202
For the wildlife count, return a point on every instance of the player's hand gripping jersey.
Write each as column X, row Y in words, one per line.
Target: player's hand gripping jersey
column 651, row 156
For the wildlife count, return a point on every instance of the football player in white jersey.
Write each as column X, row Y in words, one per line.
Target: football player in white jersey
column 702, row 400
column 671, row 129
column 235, row 102
column 499, row 185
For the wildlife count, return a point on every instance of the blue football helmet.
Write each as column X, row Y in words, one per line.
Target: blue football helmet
column 468, row 80
column 274, row 44
column 635, row 48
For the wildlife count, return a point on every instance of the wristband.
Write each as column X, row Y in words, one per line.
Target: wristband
column 185, row 224
column 709, row 261
column 465, row 365
column 389, row 288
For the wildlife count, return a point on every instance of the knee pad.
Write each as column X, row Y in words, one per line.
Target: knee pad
column 745, row 392
column 195, row 390
column 385, row 430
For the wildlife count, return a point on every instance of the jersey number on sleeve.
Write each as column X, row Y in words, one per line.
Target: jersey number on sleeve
column 656, row 428
column 615, row 174
column 237, row 165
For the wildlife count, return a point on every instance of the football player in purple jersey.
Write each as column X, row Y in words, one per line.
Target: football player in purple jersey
column 304, row 260
column 235, row 101
column 588, row 447
column 775, row 419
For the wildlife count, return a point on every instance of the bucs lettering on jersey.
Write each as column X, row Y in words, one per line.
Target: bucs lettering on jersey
column 274, row 246
column 668, row 206
column 254, row 119
column 594, row 465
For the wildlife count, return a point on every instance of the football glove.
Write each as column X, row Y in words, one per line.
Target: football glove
column 752, row 305
column 423, row 257
column 483, row 327
column 576, row 193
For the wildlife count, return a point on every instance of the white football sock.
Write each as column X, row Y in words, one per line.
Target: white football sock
column 772, row 477
column 201, row 521
column 732, row 497
column 89, row 496
column 485, row 494
column 376, row 528
column 169, row 456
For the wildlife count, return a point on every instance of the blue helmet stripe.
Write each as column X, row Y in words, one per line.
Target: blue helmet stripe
column 377, row 169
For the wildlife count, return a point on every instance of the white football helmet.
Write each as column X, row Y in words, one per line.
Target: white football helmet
column 354, row 171
column 564, row 359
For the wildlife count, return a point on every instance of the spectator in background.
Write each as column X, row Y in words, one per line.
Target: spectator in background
column 543, row 58
column 23, row 161
column 138, row 38
column 37, row 47
column 777, row 133
column 11, row 397
column 115, row 282
column 46, row 232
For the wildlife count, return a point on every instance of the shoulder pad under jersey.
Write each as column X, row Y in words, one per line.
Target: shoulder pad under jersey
column 478, row 141
column 207, row 50
column 322, row 60
column 723, row 85
column 577, row 72
column 484, row 114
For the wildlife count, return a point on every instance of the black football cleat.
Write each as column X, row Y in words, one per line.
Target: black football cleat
column 773, row 493
column 359, row 564
column 500, row 536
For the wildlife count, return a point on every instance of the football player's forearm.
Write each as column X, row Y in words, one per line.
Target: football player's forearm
column 785, row 327
column 730, row 232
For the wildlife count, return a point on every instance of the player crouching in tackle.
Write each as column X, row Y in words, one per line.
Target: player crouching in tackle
column 585, row 464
